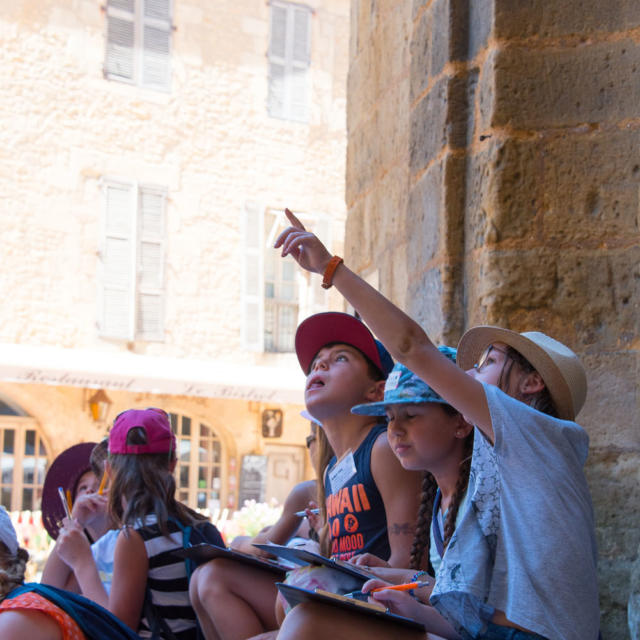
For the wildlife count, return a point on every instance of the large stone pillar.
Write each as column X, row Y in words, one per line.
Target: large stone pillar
column 493, row 176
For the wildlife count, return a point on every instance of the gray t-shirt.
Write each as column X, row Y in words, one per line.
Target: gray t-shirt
column 526, row 544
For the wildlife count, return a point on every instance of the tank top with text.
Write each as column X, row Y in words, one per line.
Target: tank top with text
column 355, row 512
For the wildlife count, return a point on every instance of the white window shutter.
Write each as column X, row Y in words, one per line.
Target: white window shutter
column 116, row 311
column 120, row 52
column 277, row 61
column 150, row 263
column 253, row 278
column 300, row 58
column 156, row 44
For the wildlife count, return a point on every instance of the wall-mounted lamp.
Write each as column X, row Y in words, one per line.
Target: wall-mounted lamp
column 99, row 405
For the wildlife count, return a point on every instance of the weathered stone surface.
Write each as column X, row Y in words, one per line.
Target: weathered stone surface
column 613, row 375
column 480, row 20
column 614, row 476
column 523, row 211
column 442, row 118
column 420, row 49
column 527, row 18
column 600, row 292
column 633, row 608
column 550, row 87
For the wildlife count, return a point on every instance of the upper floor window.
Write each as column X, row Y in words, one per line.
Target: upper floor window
column 139, row 42
column 276, row 295
column 289, row 60
column 131, row 301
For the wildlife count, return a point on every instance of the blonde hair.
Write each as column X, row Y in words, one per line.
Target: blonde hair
column 12, row 569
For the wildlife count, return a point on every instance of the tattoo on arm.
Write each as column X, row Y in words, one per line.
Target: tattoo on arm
column 401, row 529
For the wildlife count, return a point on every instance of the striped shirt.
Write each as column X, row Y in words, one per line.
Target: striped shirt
column 167, row 580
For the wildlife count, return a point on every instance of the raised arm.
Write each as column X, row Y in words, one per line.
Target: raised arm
column 405, row 339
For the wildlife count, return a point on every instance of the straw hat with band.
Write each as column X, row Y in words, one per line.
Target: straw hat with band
column 331, row 327
column 65, row 471
column 558, row 366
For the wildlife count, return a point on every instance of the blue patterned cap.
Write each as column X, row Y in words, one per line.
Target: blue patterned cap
column 404, row 387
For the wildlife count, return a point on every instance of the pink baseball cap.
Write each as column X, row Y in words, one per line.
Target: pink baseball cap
column 329, row 327
column 154, row 422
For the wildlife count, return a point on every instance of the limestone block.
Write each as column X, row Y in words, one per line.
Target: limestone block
column 480, row 19
column 424, row 215
column 421, row 54
column 600, row 292
column 458, row 28
column 548, row 19
column 591, row 179
column 551, row 87
column 429, row 126
column 612, row 382
column 614, row 477
column 424, row 302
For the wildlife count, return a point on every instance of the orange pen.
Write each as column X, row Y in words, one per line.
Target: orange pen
column 401, row 587
column 69, row 500
column 103, row 482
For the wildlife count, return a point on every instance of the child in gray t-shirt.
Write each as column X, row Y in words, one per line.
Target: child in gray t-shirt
column 523, row 554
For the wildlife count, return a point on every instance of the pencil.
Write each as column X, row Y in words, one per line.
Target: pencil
column 401, row 587
column 102, row 483
column 65, row 504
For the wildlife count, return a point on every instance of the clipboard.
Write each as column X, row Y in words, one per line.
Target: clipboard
column 303, row 557
column 296, row 595
column 203, row 552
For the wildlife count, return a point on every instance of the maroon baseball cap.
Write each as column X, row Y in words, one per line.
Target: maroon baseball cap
column 65, row 471
column 331, row 327
column 154, row 422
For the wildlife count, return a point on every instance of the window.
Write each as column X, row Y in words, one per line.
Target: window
column 23, row 463
column 199, row 468
column 132, row 262
column 276, row 294
column 138, row 42
column 289, row 60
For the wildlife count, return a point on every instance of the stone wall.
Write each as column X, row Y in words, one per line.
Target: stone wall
column 493, row 174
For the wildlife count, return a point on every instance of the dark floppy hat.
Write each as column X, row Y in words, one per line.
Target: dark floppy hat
column 65, row 471
column 330, row 327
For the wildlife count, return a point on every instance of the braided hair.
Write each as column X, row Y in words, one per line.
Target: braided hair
column 420, row 545
column 12, row 569
column 421, row 540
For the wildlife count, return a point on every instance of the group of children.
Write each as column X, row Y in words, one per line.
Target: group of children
column 461, row 470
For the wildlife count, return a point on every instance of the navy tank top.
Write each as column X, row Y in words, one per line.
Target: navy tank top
column 355, row 512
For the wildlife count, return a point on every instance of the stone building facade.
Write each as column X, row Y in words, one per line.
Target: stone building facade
column 493, row 174
column 147, row 149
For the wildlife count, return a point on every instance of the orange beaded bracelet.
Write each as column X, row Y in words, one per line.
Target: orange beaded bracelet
column 327, row 278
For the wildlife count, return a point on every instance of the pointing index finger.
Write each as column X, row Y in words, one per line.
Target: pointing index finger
column 293, row 220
